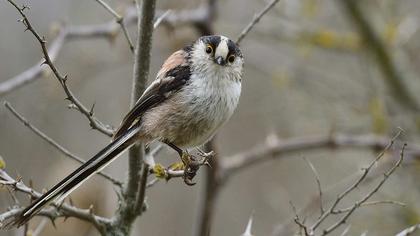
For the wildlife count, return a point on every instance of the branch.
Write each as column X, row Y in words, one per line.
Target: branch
column 254, row 21
column 277, row 148
column 134, row 192
column 373, row 203
column 368, row 196
column 53, row 143
column 62, row 79
column 409, row 231
column 140, row 76
column 210, row 192
column 312, row 204
column 248, row 228
column 120, row 20
column 35, row 71
column 108, row 30
column 59, row 210
column 318, row 181
column 356, row 184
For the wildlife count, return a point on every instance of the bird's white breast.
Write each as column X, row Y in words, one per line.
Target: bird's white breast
column 212, row 101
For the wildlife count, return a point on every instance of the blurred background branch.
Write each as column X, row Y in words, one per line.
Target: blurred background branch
column 393, row 75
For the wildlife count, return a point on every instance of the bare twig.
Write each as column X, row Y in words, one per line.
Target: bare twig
column 256, row 19
column 373, row 203
column 274, row 147
column 169, row 173
column 248, row 228
column 368, row 196
column 318, row 181
column 409, row 231
column 333, row 210
column 161, row 18
column 297, row 220
column 108, row 30
column 345, row 231
column 53, row 143
column 59, row 210
column 120, row 20
column 39, row 228
column 354, row 185
column 35, row 71
column 286, row 228
column 94, row 122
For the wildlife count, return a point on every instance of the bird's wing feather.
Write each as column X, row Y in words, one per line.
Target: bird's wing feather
column 173, row 74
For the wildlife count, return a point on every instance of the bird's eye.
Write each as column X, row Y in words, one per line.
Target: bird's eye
column 231, row 58
column 209, row 49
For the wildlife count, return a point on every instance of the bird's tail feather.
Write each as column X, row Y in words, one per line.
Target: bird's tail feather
column 77, row 177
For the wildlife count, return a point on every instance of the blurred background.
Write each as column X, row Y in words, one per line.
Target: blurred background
column 308, row 72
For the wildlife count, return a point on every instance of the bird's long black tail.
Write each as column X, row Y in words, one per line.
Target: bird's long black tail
column 77, row 177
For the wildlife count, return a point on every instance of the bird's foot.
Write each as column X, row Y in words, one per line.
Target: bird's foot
column 192, row 164
column 191, row 167
column 205, row 156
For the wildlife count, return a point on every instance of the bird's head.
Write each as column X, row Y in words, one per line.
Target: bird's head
column 216, row 53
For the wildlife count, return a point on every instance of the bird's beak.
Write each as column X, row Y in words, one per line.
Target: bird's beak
column 220, row 61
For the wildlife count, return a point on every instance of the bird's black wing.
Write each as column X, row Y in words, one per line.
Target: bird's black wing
column 174, row 73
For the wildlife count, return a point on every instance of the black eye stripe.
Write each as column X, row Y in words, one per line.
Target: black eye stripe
column 214, row 41
column 233, row 49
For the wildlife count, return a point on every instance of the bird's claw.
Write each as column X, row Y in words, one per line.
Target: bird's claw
column 192, row 164
column 191, row 167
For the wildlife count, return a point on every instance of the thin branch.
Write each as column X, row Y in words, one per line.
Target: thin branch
column 35, row 71
column 297, row 220
column 94, row 122
column 355, row 184
column 161, row 18
column 286, row 228
column 345, row 231
column 248, row 229
column 59, row 210
column 255, row 20
column 136, row 183
column 208, row 197
column 120, row 20
column 373, row 203
column 274, row 147
column 108, row 30
column 169, row 173
column 409, row 231
column 368, row 196
column 53, row 143
column 142, row 188
column 38, row 230
column 318, row 181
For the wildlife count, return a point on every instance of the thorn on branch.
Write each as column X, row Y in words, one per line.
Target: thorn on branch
column 44, row 62
column 91, row 109
column 24, row 7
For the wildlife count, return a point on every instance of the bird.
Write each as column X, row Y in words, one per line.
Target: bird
column 194, row 93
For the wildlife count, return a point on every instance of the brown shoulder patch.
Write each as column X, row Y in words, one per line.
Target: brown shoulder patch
column 178, row 58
